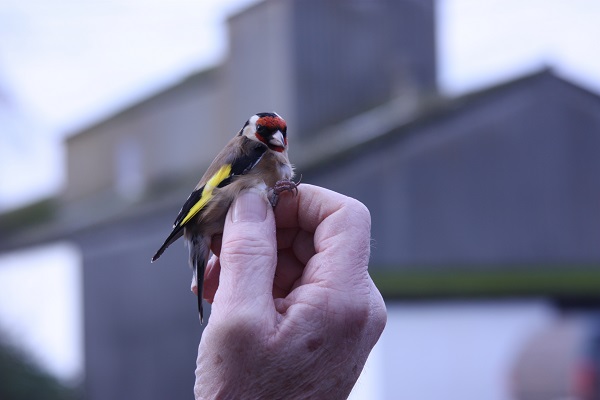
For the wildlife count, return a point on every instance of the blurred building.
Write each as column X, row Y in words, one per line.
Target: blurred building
column 493, row 194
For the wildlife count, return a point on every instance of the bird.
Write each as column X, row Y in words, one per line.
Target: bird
column 257, row 157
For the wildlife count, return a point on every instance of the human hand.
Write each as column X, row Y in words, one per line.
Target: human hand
column 294, row 310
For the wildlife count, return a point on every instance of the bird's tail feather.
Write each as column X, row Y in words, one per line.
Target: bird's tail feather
column 200, row 265
column 199, row 251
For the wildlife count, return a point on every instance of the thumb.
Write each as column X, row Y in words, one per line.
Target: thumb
column 248, row 254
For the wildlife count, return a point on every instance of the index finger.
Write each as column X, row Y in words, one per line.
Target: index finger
column 309, row 207
column 342, row 234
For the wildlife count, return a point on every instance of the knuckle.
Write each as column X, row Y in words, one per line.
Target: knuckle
column 358, row 210
column 238, row 248
column 378, row 315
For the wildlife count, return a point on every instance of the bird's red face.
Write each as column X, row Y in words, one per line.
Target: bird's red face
column 271, row 130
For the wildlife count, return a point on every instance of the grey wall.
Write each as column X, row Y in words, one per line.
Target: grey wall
column 353, row 55
column 171, row 134
column 508, row 177
column 141, row 321
column 319, row 62
column 258, row 73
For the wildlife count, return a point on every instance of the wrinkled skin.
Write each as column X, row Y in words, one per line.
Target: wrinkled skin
column 294, row 310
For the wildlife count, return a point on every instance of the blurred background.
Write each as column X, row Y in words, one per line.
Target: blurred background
column 470, row 128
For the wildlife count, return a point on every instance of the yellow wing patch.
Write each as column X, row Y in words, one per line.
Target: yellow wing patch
column 222, row 174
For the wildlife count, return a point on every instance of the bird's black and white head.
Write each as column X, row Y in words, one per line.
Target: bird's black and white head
column 268, row 128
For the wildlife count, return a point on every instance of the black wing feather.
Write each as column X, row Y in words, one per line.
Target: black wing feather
column 240, row 166
column 192, row 199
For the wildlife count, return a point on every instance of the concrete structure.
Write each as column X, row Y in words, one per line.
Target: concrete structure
column 153, row 141
column 503, row 176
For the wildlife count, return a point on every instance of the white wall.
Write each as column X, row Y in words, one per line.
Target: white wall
column 450, row 350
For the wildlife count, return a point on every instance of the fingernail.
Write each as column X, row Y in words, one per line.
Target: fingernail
column 249, row 206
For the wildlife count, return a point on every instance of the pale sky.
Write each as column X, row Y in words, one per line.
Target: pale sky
column 483, row 41
column 66, row 63
column 40, row 306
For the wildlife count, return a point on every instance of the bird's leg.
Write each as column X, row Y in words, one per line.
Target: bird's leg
column 284, row 185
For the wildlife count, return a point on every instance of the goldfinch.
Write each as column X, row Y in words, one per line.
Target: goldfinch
column 256, row 157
